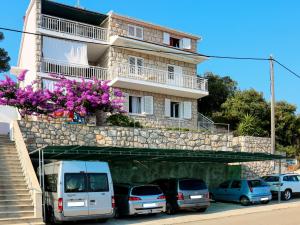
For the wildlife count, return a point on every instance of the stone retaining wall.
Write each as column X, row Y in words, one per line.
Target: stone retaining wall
column 39, row 134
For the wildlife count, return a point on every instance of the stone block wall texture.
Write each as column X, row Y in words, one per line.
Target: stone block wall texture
column 151, row 34
column 39, row 134
column 158, row 119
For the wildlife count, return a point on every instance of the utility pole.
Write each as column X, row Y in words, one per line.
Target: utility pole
column 272, row 105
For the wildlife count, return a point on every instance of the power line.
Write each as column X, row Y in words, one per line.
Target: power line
column 158, row 51
column 135, row 48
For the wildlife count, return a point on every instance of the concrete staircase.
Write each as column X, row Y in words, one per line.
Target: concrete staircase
column 16, row 205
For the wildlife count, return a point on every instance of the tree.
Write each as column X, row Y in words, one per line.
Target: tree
column 4, row 58
column 242, row 103
column 250, row 126
column 220, row 88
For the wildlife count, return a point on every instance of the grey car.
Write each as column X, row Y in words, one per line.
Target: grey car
column 134, row 199
column 184, row 193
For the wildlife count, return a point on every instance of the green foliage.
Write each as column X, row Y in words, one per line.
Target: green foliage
column 4, row 58
column 250, row 102
column 290, row 150
column 122, row 120
column 250, row 126
column 220, row 88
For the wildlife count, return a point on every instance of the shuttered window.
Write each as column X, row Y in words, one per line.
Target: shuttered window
column 138, row 104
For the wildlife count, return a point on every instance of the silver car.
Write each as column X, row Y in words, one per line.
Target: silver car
column 134, row 199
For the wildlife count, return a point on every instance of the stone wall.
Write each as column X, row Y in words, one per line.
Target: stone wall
column 39, row 134
column 151, row 34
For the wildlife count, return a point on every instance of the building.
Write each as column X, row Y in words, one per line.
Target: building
column 155, row 66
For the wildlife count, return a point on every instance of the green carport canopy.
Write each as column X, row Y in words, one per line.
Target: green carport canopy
column 149, row 154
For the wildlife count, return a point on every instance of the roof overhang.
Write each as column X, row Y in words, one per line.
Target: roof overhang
column 72, row 13
column 109, row 153
column 156, row 49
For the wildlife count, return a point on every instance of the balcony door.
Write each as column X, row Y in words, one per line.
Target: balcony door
column 136, row 66
column 174, row 75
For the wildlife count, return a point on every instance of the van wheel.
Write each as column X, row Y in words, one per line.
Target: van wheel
column 287, row 195
column 201, row 210
column 244, row 201
column 169, row 209
column 117, row 214
column 102, row 220
column 52, row 217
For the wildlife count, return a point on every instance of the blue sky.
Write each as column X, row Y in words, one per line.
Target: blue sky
column 254, row 28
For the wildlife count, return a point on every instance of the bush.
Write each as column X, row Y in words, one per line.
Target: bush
column 122, row 120
column 250, row 126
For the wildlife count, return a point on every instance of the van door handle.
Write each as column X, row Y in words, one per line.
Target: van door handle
column 93, row 201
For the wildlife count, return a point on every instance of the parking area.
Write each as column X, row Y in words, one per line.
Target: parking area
column 217, row 210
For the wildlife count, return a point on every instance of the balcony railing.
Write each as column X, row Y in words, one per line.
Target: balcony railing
column 159, row 76
column 73, row 28
column 74, row 70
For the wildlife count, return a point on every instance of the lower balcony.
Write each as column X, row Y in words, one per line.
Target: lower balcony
column 158, row 81
column 74, row 70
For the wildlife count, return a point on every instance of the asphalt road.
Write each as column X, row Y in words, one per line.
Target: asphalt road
column 290, row 216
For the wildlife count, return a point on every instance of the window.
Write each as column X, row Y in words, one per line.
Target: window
column 48, row 84
column 136, row 65
column 224, row 184
column 135, row 104
column 257, row 183
column 271, row 178
column 290, row 178
column 98, row 182
column 135, row 32
column 75, row 182
column 146, row 190
column 236, row 184
column 175, row 109
column 192, row 185
column 51, row 182
column 171, row 71
column 175, row 42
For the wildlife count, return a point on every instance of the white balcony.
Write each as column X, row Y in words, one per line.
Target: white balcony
column 71, row 29
column 158, row 81
column 74, row 70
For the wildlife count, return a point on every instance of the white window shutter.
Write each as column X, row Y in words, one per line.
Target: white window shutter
column 166, row 38
column 131, row 30
column 187, row 110
column 126, row 102
column 186, row 43
column 139, row 32
column 167, row 107
column 148, row 105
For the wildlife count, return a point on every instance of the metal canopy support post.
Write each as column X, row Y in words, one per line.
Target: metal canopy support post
column 43, row 185
column 279, row 181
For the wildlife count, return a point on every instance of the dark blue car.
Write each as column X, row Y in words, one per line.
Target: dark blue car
column 243, row 191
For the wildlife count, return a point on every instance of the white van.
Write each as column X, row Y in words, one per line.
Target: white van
column 78, row 190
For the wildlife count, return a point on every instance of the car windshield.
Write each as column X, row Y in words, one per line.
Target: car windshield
column 271, row 178
column 186, row 185
column 146, row 190
column 257, row 183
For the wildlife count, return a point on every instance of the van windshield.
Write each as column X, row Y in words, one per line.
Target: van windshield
column 146, row 190
column 75, row 182
column 187, row 185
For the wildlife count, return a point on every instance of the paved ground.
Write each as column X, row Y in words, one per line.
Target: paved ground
column 286, row 213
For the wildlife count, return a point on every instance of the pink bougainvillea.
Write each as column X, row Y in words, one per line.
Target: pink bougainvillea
column 84, row 98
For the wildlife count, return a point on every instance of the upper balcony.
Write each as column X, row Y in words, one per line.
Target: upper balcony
column 158, row 81
column 71, row 29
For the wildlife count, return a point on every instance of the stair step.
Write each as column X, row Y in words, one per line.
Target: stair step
column 14, row 214
column 15, row 202
column 13, row 191
column 13, row 186
column 15, row 197
column 9, row 171
column 22, row 221
column 13, row 183
column 16, row 208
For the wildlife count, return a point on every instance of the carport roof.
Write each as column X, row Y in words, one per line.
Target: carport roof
column 150, row 154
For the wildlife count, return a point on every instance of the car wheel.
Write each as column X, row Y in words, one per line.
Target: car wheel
column 201, row 210
column 169, row 209
column 265, row 202
column 287, row 195
column 244, row 201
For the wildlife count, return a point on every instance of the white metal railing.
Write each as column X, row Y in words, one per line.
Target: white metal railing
column 207, row 124
column 28, row 170
column 74, row 70
column 74, row 28
column 158, row 76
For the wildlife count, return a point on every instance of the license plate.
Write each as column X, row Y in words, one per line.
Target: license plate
column 264, row 199
column 75, row 204
column 196, row 196
column 149, row 205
